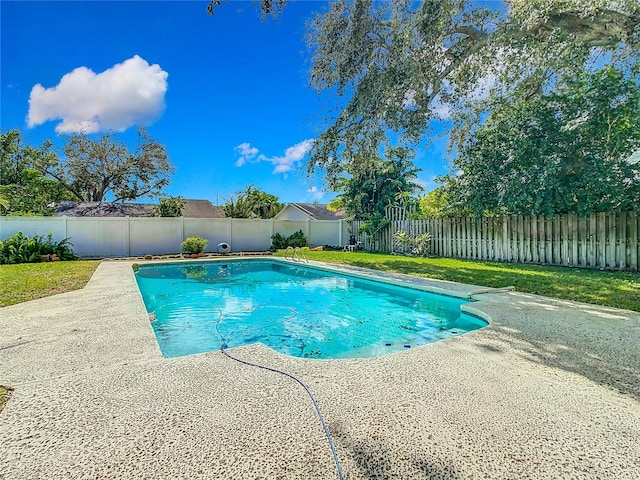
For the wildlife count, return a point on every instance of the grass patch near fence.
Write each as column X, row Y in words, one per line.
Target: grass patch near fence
column 613, row 289
column 28, row 281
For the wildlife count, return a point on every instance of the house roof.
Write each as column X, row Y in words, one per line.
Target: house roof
column 104, row 209
column 192, row 209
column 202, row 209
column 318, row 211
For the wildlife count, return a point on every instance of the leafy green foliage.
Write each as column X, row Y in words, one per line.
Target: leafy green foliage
column 252, row 203
column 279, row 241
column 24, row 190
column 396, row 66
column 372, row 184
column 4, row 205
column 438, row 204
column 566, row 151
column 21, row 249
column 170, row 207
column 194, row 244
column 415, row 244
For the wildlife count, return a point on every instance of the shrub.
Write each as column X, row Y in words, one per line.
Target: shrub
column 194, row 244
column 19, row 248
column 297, row 239
column 418, row 244
column 279, row 241
column 170, row 207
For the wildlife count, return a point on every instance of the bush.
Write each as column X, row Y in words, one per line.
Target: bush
column 194, row 245
column 170, row 207
column 279, row 241
column 418, row 244
column 19, row 248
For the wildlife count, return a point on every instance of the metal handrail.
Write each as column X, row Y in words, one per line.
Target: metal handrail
column 299, row 250
column 293, row 252
column 297, row 254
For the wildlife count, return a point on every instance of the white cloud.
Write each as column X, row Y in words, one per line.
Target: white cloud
column 129, row 93
column 247, row 152
column 282, row 164
column 316, row 194
column 292, row 156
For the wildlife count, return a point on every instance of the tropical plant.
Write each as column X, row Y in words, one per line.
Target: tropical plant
column 19, row 248
column 252, row 203
column 195, row 244
column 372, row 184
column 415, row 244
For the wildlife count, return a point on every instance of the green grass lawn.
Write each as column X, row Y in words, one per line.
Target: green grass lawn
column 28, row 281
column 614, row 289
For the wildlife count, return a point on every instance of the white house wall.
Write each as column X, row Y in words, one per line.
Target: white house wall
column 292, row 213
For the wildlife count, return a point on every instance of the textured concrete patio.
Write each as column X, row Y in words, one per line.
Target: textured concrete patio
column 551, row 389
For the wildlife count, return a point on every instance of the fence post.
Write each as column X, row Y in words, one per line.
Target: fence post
column 611, row 237
column 128, row 236
column 622, row 241
column 633, row 241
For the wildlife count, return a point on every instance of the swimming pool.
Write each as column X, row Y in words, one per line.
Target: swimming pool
column 297, row 310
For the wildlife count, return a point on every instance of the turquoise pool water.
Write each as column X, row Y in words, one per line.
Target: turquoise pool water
column 296, row 310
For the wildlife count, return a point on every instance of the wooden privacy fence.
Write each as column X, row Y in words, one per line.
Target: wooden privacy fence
column 600, row 240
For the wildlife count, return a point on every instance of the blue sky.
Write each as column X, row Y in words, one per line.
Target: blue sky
column 227, row 94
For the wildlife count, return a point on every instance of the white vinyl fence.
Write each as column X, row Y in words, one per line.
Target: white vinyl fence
column 135, row 236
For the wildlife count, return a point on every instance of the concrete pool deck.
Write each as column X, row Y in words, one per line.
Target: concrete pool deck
column 551, row 389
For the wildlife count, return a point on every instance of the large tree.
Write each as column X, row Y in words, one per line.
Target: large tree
column 567, row 151
column 24, row 190
column 372, row 184
column 397, row 66
column 105, row 168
